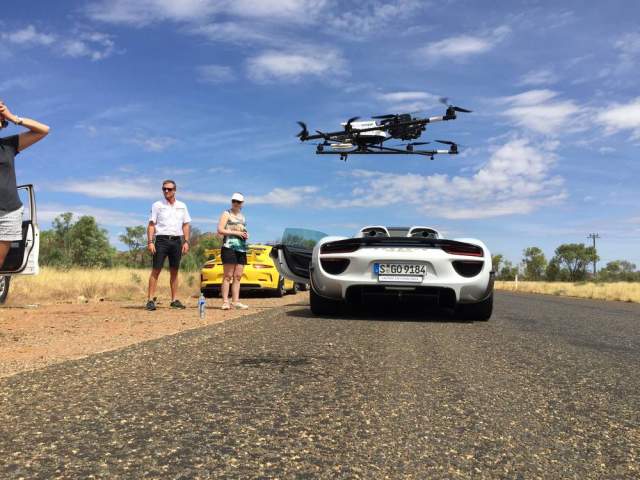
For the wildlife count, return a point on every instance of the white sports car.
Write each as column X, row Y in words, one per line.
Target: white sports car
column 393, row 262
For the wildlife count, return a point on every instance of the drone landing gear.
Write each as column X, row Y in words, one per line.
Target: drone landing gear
column 343, row 157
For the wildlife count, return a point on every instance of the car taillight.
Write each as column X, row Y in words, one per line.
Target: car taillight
column 261, row 266
column 334, row 266
column 338, row 247
column 468, row 268
column 468, row 250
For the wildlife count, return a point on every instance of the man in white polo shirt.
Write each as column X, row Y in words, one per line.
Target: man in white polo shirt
column 168, row 236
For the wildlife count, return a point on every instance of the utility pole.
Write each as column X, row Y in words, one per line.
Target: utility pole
column 593, row 236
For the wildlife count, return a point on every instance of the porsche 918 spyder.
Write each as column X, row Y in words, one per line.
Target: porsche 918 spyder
column 394, row 262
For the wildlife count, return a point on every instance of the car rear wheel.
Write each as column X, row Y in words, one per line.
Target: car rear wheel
column 480, row 311
column 280, row 291
column 4, row 288
column 211, row 293
column 294, row 289
column 321, row 305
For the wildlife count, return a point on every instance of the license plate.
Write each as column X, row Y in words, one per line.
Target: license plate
column 399, row 272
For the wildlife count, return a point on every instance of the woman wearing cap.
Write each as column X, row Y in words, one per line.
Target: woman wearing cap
column 233, row 227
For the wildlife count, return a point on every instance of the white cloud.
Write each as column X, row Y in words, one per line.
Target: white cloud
column 92, row 45
column 114, row 187
column 144, row 12
column 408, row 101
column 111, row 187
column 292, row 66
column 371, row 16
column 154, row 144
column 47, row 212
column 538, row 110
column 462, row 47
column 621, row 117
column 240, row 32
column 539, row 77
column 515, row 180
column 286, row 197
column 29, row 36
column 214, row 74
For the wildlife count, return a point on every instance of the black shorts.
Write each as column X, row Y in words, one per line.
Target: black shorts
column 167, row 246
column 232, row 257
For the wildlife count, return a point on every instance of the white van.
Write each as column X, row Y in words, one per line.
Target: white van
column 23, row 255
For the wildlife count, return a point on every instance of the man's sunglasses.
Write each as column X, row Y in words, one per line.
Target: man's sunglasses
column 167, row 189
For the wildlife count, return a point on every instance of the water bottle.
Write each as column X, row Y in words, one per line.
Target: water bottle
column 202, row 305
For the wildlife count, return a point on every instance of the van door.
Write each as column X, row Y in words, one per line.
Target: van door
column 23, row 254
column 292, row 255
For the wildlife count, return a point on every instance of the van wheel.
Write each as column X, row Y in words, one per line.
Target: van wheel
column 4, row 288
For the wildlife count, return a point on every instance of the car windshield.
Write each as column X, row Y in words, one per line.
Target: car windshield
column 301, row 237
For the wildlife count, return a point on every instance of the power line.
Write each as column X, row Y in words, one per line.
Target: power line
column 593, row 236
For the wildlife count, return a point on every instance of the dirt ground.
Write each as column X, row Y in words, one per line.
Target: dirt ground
column 34, row 336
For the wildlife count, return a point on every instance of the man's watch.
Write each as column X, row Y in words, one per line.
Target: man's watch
column 18, row 120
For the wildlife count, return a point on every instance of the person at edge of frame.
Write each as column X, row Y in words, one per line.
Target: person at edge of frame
column 11, row 208
column 233, row 227
column 168, row 236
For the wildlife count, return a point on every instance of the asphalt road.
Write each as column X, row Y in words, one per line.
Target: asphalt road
column 549, row 388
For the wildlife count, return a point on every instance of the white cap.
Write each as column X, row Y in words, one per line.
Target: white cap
column 237, row 196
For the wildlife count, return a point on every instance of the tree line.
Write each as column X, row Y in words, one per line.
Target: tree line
column 81, row 242
column 570, row 263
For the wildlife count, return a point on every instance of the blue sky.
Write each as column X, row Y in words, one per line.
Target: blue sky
column 207, row 92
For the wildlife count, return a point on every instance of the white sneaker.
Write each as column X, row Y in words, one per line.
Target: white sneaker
column 226, row 306
column 240, row 306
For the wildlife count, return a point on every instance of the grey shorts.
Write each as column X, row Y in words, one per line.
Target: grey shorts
column 11, row 225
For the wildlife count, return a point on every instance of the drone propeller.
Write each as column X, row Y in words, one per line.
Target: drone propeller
column 304, row 133
column 453, row 146
column 445, row 101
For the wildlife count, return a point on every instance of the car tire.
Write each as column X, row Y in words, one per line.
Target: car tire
column 210, row 293
column 280, row 291
column 4, row 288
column 323, row 306
column 302, row 287
column 293, row 290
column 480, row 311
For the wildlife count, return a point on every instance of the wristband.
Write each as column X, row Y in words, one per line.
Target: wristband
column 18, row 121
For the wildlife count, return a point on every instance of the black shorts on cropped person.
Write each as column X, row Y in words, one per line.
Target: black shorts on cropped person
column 233, row 257
column 167, row 246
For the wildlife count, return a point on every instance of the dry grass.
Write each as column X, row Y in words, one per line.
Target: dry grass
column 621, row 291
column 53, row 286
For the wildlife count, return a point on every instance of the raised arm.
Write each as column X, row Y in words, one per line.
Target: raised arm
column 37, row 131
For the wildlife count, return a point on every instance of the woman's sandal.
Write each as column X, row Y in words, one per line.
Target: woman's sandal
column 226, row 306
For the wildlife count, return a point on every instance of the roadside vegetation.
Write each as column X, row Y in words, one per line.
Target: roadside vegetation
column 569, row 273
column 81, row 243
column 80, row 285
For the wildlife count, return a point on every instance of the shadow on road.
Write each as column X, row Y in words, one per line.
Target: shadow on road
column 385, row 312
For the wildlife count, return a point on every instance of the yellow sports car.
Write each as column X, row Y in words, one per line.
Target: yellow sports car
column 259, row 273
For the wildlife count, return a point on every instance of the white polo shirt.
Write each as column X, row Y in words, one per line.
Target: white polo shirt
column 169, row 218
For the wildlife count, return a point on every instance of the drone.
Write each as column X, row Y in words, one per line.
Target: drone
column 369, row 137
